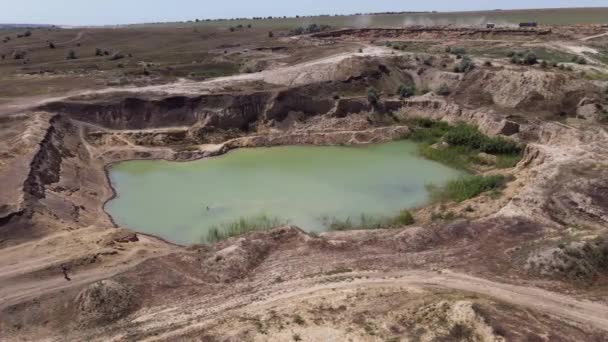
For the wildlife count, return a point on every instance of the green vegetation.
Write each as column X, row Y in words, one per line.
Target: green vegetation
column 579, row 60
column 297, row 319
column 470, row 137
column 465, row 65
column 466, row 188
column 566, row 16
column 367, row 222
column 462, row 144
column 406, row 90
column 457, row 51
column 443, row 90
column 242, row 226
column 312, row 28
column 373, row 97
column 71, row 55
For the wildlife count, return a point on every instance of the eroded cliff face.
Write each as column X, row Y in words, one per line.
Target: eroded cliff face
column 62, row 182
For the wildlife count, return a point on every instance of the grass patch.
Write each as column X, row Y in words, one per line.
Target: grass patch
column 369, row 222
column 464, row 143
column 458, row 157
column 549, row 55
column 242, row 226
column 465, row 188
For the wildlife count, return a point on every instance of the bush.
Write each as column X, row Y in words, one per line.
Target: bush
column 19, row 54
column 98, row 52
column 71, row 55
column 373, row 97
column 487, row 63
column 544, row 64
column 406, row 90
column 27, row 33
column 511, row 54
column 465, row 65
column 51, row 45
column 530, row 58
column 270, row 34
column 465, row 188
column 297, row 31
column 405, row 218
column 443, row 90
column 515, row 60
column 459, row 51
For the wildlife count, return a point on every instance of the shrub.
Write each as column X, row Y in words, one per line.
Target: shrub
column 51, row 45
column 458, row 51
column 27, row 33
column 443, row 90
column 465, row 188
column 530, row 58
column 405, row 218
column 511, row 54
column 232, row 29
column 406, row 90
column 19, row 54
column 544, row 64
column 487, row 63
column 465, row 65
column 297, row 31
column 98, row 52
column 71, row 55
column 372, row 96
column 297, row 319
column 270, row 34
column 515, row 60
column 582, row 61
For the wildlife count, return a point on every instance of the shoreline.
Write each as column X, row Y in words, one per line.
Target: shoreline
column 223, row 150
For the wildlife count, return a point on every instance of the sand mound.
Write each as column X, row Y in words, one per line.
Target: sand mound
column 103, row 302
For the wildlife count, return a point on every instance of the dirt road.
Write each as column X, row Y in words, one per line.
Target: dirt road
column 595, row 36
column 293, row 292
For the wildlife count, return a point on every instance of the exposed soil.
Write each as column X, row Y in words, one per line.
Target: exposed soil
column 528, row 264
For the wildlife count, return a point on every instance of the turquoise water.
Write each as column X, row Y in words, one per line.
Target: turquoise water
column 302, row 184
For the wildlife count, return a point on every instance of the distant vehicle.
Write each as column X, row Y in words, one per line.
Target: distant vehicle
column 530, row 24
column 490, row 25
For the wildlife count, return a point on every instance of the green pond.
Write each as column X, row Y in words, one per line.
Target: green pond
column 304, row 185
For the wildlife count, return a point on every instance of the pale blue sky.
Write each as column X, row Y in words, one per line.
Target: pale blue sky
column 100, row 12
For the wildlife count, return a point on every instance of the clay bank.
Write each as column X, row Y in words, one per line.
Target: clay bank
column 309, row 186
